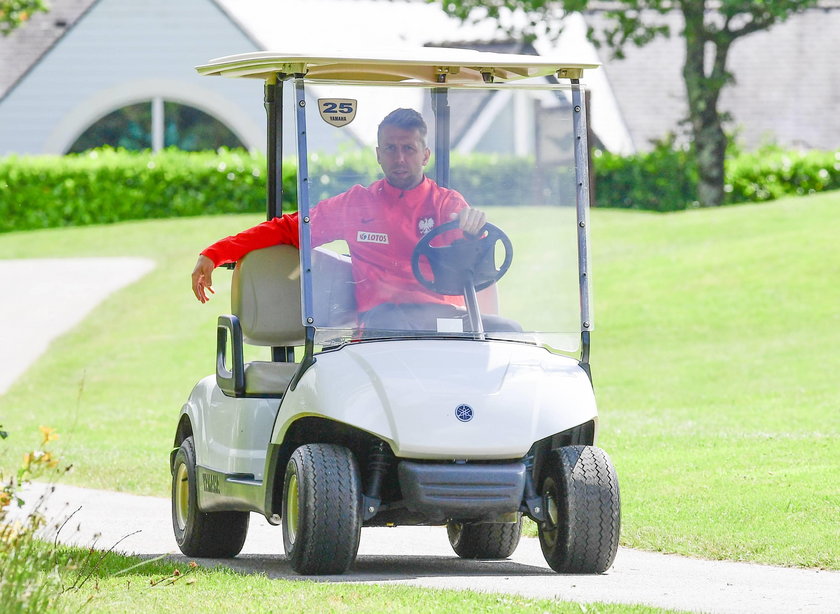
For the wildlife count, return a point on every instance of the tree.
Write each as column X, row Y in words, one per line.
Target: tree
column 14, row 13
column 710, row 28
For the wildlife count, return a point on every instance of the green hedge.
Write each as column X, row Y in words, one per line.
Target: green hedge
column 772, row 172
column 485, row 178
column 664, row 179
column 107, row 186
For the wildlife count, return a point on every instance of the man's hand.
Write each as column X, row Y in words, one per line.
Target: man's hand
column 202, row 278
column 471, row 220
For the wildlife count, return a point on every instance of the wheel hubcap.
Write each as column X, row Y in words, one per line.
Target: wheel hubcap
column 552, row 513
column 458, row 533
column 182, row 496
column 548, row 529
column 292, row 510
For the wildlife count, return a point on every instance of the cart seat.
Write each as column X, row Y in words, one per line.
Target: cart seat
column 265, row 296
column 271, row 379
column 266, row 306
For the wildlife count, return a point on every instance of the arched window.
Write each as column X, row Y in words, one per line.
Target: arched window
column 156, row 124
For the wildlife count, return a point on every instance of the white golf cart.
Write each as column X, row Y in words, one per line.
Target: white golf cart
column 462, row 423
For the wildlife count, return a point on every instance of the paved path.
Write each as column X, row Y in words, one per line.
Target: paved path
column 41, row 299
column 421, row 556
column 45, row 298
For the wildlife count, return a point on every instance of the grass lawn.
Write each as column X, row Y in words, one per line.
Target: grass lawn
column 154, row 588
column 714, row 358
column 715, row 363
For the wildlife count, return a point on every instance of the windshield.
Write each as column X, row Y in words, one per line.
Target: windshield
column 391, row 172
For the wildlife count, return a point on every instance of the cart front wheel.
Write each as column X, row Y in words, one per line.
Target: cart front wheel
column 583, row 511
column 322, row 515
column 488, row 540
column 202, row 534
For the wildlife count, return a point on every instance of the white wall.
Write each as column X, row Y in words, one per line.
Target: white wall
column 122, row 52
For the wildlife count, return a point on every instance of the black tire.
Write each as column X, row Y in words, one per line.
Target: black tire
column 322, row 509
column 201, row 534
column 488, row 540
column 583, row 510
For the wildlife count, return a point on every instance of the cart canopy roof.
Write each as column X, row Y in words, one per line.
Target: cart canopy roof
column 424, row 65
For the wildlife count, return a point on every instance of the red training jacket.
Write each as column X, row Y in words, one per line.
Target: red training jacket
column 381, row 225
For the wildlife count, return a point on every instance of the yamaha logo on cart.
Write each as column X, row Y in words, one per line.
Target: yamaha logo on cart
column 464, row 412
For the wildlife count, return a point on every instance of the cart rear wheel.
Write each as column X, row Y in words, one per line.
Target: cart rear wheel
column 488, row 540
column 203, row 534
column 583, row 511
column 322, row 516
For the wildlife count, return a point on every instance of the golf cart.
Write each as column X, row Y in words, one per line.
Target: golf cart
column 462, row 423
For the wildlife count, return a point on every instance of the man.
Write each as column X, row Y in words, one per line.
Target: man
column 381, row 224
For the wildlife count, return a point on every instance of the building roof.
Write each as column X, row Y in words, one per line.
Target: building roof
column 21, row 49
column 785, row 78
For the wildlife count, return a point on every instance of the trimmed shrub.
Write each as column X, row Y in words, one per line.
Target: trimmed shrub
column 772, row 172
column 481, row 178
column 331, row 175
column 104, row 186
column 664, row 179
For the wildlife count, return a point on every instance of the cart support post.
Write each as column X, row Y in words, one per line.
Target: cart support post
column 274, row 172
column 274, row 147
column 307, row 309
column 582, row 192
column 473, row 311
column 440, row 106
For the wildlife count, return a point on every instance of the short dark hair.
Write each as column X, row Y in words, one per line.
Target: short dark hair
column 407, row 119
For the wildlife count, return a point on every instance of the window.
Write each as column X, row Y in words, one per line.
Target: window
column 156, row 124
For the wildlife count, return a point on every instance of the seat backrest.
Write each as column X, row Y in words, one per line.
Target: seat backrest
column 265, row 294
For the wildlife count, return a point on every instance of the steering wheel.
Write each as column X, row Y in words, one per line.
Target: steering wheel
column 465, row 261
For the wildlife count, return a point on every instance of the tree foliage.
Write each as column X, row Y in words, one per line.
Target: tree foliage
column 709, row 29
column 14, row 13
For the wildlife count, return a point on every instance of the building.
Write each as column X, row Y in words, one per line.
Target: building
column 66, row 71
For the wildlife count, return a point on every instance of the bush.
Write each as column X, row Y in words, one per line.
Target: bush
column 36, row 572
column 104, row 186
column 478, row 177
column 491, row 180
column 29, row 576
column 664, row 179
column 772, row 172
column 331, row 175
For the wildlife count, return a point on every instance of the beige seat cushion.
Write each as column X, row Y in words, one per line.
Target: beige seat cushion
column 265, row 294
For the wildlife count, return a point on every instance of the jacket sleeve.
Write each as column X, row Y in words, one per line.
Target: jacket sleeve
column 280, row 230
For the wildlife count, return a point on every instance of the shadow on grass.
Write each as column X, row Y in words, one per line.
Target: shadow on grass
column 375, row 568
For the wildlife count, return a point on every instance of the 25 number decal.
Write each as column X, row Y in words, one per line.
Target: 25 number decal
column 338, row 107
column 337, row 111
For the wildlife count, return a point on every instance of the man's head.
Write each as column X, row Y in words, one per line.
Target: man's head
column 401, row 150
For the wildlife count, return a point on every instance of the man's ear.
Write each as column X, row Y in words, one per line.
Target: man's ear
column 378, row 160
column 428, row 155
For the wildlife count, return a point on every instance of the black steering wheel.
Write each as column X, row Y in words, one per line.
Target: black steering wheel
column 469, row 261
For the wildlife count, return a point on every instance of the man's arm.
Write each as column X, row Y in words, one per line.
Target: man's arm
column 280, row 230
column 202, row 278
